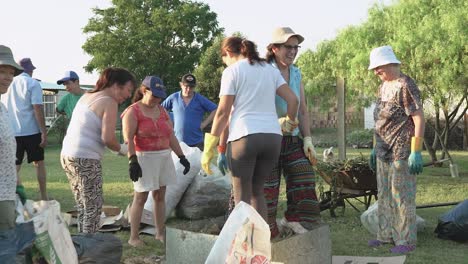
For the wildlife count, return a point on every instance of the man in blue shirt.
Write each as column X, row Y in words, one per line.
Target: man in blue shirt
column 188, row 109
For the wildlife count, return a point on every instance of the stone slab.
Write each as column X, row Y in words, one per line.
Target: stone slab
column 313, row 247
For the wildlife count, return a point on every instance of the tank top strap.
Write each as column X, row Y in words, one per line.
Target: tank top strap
column 98, row 99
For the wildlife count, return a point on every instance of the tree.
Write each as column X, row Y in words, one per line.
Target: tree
column 210, row 69
column 159, row 37
column 428, row 36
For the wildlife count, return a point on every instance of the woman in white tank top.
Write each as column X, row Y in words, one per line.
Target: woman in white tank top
column 92, row 128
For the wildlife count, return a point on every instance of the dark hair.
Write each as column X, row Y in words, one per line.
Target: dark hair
column 111, row 76
column 270, row 55
column 240, row 46
column 139, row 93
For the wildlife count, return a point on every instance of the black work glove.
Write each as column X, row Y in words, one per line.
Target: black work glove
column 134, row 168
column 184, row 163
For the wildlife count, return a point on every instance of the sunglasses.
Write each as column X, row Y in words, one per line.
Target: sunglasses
column 291, row 47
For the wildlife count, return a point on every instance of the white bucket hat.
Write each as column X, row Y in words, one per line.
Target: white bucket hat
column 282, row 34
column 382, row 56
column 6, row 58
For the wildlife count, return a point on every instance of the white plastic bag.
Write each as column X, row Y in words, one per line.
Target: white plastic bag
column 370, row 220
column 174, row 192
column 245, row 238
column 53, row 239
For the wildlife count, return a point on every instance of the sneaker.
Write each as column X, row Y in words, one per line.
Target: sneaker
column 374, row 243
column 295, row 226
column 403, row 249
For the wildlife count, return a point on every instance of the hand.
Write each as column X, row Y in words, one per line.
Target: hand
column 309, row 150
column 288, row 125
column 43, row 143
column 222, row 163
column 123, row 149
column 415, row 162
column 21, row 193
column 183, row 160
column 209, row 151
column 373, row 160
column 134, row 168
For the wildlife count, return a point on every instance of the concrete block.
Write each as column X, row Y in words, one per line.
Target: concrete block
column 313, row 247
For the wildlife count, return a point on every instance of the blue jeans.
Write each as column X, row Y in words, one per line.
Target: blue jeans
column 15, row 240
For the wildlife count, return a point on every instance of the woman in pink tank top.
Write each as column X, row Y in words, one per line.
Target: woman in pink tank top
column 148, row 130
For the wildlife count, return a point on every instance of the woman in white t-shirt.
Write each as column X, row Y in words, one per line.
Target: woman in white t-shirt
column 247, row 102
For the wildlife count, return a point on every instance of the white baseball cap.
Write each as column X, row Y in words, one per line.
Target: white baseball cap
column 382, row 56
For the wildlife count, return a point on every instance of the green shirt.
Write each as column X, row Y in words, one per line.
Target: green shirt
column 67, row 104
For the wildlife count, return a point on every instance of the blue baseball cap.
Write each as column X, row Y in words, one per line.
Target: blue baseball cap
column 69, row 75
column 156, row 85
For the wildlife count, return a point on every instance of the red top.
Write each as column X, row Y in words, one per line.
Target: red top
column 152, row 134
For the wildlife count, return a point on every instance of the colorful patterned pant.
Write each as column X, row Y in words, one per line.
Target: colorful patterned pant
column 302, row 204
column 397, row 203
column 85, row 177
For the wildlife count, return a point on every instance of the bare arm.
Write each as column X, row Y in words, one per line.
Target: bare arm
column 109, row 121
column 419, row 124
column 208, row 120
column 223, row 112
column 40, row 119
column 304, row 125
column 129, row 128
column 288, row 95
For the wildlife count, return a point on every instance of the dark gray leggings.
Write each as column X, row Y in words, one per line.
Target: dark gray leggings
column 251, row 159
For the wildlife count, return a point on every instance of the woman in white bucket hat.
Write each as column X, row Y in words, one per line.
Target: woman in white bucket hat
column 9, row 231
column 399, row 123
column 297, row 151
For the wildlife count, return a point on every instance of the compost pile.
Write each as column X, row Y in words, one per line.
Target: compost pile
column 352, row 173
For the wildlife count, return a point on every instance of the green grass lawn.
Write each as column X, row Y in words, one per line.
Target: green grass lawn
column 348, row 236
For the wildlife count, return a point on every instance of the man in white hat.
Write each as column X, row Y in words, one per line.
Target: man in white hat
column 23, row 101
column 399, row 123
column 297, row 153
column 11, row 237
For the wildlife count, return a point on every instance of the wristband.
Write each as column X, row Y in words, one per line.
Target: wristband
column 416, row 144
column 221, row 149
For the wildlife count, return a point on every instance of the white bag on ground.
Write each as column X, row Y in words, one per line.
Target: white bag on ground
column 53, row 239
column 174, row 192
column 370, row 221
column 245, row 238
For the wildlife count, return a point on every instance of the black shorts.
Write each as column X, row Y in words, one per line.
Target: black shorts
column 30, row 145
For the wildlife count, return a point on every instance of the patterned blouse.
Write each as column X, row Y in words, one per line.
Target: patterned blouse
column 7, row 158
column 394, row 126
column 152, row 134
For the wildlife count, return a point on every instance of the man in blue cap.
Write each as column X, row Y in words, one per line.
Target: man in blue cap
column 26, row 113
column 67, row 103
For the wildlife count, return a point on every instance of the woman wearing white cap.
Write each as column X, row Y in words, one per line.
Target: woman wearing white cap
column 297, row 151
column 399, row 123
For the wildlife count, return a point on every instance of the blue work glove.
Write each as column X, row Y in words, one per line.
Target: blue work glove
column 415, row 161
column 373, row 160
column 222, row 163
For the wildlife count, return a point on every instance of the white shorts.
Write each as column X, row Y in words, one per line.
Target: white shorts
column 157, row 168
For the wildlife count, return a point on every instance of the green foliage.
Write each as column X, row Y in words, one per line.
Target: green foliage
column 360, row 138
column 429, row 37
column 164, row 38
column 210, row 69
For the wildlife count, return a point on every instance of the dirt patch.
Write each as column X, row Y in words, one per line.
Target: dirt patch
column 210, row 226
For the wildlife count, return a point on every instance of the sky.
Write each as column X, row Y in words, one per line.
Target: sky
column 50, row 32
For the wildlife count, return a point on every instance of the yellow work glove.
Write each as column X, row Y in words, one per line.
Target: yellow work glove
column 288, row 125
column 209, row 152
column 309, row 150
